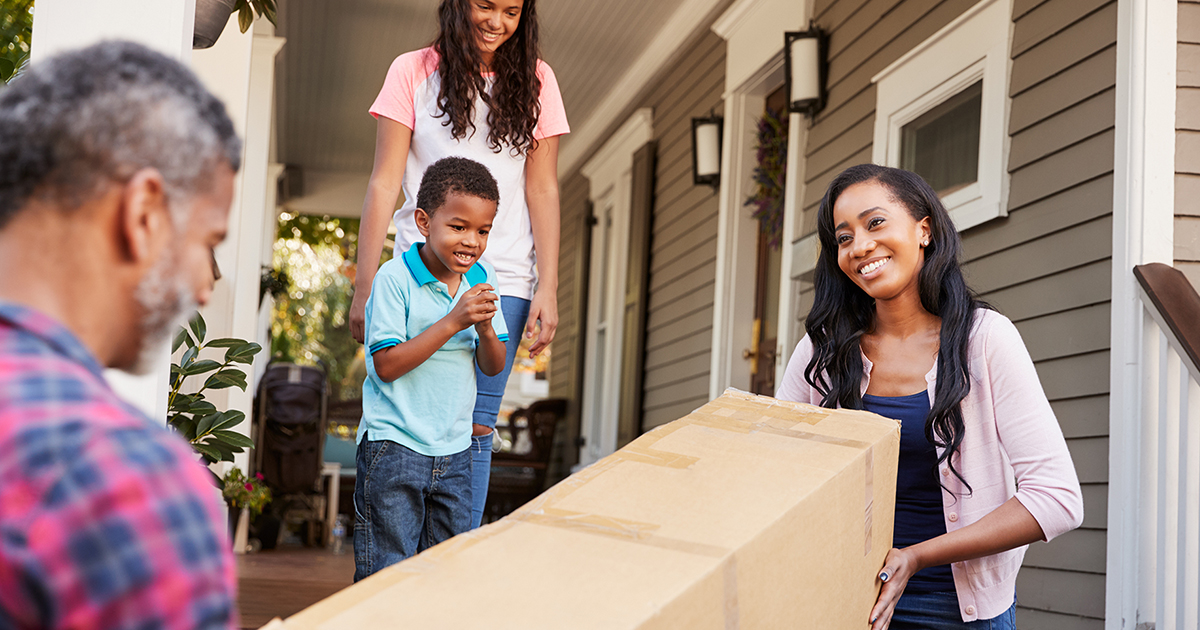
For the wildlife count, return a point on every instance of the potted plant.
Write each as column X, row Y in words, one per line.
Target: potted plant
column 242, row 493
column 208, row 430
column 212, row 15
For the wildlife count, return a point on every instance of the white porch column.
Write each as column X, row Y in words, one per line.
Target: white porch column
column 240, row 70
column 164, row 26
column 1143, row 204
column 64, row 24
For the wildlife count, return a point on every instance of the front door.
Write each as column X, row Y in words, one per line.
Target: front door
column 765, row 333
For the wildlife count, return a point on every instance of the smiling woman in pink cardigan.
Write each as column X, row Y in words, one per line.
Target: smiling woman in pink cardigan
column 984, row 469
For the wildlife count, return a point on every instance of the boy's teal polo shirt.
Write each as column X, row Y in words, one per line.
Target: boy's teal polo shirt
column 429, row 409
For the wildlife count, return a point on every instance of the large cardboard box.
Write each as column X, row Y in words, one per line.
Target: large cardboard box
column 747, row 513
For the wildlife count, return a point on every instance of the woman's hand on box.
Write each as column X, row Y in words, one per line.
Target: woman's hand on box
column 898, row 567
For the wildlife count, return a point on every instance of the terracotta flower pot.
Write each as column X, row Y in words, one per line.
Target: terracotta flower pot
column 211, row 18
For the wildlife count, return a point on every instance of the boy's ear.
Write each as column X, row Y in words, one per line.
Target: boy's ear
column 422, row 219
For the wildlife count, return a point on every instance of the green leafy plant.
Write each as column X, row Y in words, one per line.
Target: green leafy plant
column 241, row 491
column 208, row 430
column 16, row 33
column 246, row 9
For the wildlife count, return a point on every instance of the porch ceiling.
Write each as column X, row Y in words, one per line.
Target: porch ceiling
column 337, row 54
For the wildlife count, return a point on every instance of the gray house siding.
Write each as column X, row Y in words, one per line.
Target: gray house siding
column 683, row 246
column 1047, row 265
column 683, row 252
column 1187, row 143
column 566, row 362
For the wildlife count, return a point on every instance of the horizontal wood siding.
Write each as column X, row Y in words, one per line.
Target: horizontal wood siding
column 683, row 245
column 1187, row 143
column 566, row 364
column 683, row 249
column 1046, row 265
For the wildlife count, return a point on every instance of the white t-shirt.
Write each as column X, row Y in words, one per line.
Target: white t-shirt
column 409, row 96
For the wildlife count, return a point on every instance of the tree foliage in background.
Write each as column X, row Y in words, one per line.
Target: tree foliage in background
column 309, row 325
column 16, row 33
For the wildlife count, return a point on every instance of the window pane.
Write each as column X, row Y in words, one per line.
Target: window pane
column 943, row 144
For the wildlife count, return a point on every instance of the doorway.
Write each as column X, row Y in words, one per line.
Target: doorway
column 768, row 197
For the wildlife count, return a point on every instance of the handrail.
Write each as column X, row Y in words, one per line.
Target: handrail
column 1176, row 306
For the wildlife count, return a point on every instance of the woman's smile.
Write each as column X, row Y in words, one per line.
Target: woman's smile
column 867, row 270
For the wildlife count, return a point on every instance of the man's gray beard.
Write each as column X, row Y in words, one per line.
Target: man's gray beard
column 166, row 305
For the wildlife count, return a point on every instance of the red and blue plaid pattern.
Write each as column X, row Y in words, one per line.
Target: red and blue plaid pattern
column 106, row 519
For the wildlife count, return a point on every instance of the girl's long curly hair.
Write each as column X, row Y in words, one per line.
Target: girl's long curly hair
column 842, row 312
column 513, row 102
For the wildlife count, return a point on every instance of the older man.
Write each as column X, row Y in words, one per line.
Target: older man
column 116, row 176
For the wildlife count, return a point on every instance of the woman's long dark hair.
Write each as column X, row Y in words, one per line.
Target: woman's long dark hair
column 513, row 100
column 842, row 312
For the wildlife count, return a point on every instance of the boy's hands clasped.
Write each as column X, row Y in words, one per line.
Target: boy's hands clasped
column 476, row 307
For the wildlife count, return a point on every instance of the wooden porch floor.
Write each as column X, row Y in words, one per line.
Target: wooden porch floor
column 284, row 581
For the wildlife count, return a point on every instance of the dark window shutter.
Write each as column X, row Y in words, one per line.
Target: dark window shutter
column 637, row 284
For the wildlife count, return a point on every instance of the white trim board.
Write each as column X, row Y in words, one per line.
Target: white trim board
column 1143, row 232
column 753, row 30
column 737, row 231
column 666, row 47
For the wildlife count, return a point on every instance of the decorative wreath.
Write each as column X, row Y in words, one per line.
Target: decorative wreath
column 769, row 175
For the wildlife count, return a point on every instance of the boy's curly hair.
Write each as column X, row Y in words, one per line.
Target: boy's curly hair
column 455, row 175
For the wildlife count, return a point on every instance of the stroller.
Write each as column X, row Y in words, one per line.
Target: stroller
column 291, row 418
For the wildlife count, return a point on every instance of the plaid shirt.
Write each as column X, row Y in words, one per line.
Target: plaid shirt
column 106, row 519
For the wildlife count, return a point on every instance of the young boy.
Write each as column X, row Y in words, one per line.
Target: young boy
column 429, row 319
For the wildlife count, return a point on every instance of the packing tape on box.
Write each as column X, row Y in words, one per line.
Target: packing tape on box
column 782, row 417
column 870, row 466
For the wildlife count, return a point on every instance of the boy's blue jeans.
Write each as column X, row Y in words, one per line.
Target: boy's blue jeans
column 406, row 502
column 487, row 403
column 939, row 611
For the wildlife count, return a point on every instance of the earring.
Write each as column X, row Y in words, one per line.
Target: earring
column 925, row 243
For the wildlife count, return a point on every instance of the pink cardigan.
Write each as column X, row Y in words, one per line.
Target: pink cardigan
column 1012, row 446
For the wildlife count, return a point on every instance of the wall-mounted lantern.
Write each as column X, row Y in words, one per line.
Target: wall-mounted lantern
column 706, row 150
column 804, row 64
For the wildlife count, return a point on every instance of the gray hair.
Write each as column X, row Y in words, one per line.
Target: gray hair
column 90, row 117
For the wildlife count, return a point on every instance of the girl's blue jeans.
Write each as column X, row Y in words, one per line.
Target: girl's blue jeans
column 939, row 611
column 487, row 403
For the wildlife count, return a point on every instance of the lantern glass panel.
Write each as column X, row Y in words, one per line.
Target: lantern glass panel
column 806, row 69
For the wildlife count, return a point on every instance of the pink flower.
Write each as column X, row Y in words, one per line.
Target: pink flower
column 249, row 486
column 258, row 476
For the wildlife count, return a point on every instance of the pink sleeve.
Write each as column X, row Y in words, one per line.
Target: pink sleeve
column 397, row 98
column 553, row 119
column 1045, row 474
column 793, row 387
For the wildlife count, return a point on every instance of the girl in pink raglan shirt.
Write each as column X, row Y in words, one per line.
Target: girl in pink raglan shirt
column 984, row 469
column 482, row 92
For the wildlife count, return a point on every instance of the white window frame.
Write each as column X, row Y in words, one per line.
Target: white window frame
column 975, row 46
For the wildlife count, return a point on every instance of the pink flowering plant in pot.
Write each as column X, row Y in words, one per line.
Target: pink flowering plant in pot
column 241, row 491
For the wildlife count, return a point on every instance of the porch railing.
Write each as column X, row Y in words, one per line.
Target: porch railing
column 1171, row 503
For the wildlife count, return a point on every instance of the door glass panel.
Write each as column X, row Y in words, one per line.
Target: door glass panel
column 943, row 144
column 770, row 315
column 605, row 227
column 598, row 423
